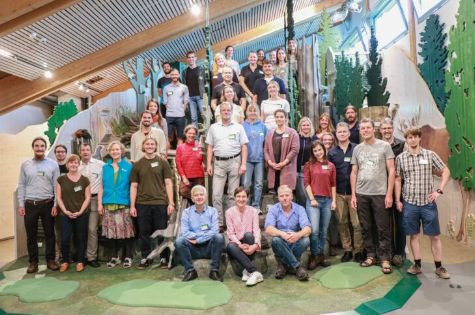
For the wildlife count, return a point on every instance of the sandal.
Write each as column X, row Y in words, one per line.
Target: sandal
column 368, row 262
column 113, row 262
column 386, row 267
column 127, row 263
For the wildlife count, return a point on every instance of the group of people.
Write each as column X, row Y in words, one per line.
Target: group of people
column 378, row 191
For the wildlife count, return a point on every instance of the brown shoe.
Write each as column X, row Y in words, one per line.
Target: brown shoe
column 280, row 272
column 32, row 267
column 312, row 262
column 442, row 273
column 302, row 274
column 320, row 261
column 80, row 267
column 52, row 265
column 63, row 267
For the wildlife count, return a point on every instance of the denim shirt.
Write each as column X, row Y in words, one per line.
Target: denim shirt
column 199, row 226
column 256, row 133
column 294, row 222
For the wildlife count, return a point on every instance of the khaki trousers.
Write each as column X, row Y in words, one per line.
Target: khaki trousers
column 343, row 211
column 91, row 251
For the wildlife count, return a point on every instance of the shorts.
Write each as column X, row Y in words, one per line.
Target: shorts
column 178, row 123
column 414, row 216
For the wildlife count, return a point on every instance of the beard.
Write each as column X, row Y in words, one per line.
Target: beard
column 39, row 155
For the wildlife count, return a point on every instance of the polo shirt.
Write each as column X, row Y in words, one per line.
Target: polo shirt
column 93, row 172
column 199, row 226
column 250, row 76
column 226, row 139
column 293, row 222
column 260, row 88
column 342, row 162
column 175, row 97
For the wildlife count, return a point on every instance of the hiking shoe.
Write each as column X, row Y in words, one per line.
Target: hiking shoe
column 442, row 273
column 280, row 272
column 301, row 274
column 245, row 275
column 414, row 270
column 254, row 279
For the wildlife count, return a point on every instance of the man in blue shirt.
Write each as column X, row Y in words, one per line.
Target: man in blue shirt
column 288, row 224
column 200, row 237
column 259, row 89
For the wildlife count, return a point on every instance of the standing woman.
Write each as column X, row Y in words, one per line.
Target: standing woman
column 158, row 121
column 280, row 150
column 281, row 68
column 219, row 62
column 73, row 192
column 324, row 125
column 293, row 56
column 189, row 163
column 320, row 183
column 114, row 206
column 307, row 136
column 228, row 95
column 256, row 132
column 273, row 103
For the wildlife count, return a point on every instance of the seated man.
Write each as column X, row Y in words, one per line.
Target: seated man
column 288, row 224
column 200, row 236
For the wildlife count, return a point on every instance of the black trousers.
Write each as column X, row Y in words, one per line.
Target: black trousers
column 244, row 260
column 32, row 214
column 78, row 227
column 373, row 213
column 149, row 219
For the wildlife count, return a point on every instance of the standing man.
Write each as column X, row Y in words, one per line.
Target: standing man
column 227, row 147
column 273, row 57
column 230, row 62
column 340, row 156
column 260, row 86
column 372, row 183
column 228, row 80
column 176, row 98
column 92, row 169
column 418, row 204
column 250, row 73
column 398, row 243
column 162, row 83
column 147, row 131
column 288, row 224
column 60, row 153
column 194, row 78
column 351, row 118
column 36, row 192
column 151, row 196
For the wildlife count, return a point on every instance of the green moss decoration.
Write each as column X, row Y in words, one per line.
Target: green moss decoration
column 375, row 84
column 460, row 83
column 40, row 290
column 434, row 53
column 63, row 111
column 347, row 276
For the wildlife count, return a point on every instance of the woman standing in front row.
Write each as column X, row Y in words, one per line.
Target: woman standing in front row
column 320, row 183
column 114, row 203
column 306, row 136
column 73, row 192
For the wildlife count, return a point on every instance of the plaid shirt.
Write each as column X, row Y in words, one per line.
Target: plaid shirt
column 416, row 171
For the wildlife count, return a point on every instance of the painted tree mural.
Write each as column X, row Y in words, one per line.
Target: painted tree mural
column 460, row 110
column 356, row 88
column 329, row 36
column 375, row 84
column 136, row 75
column 434, row 53
column 62, row 112
column 349, row 87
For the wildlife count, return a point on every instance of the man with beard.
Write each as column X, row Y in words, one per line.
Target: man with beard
column 162, row 83
column 228, row 80
column 36, row 200
column 176, row 98
column 147, row 131
column 351, row 118
column 260, row 86
column 250, row 73
column 60, row 153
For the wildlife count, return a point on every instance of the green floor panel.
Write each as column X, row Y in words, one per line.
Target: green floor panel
column 44, row 289
column 198, row 294
column 347, row 275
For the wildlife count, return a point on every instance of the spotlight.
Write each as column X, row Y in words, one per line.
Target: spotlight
column 48, row 74
column 195, row 9
column 87, row 90
column 81, row 87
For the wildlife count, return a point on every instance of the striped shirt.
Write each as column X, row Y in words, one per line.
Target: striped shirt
column 237, row 224
column 416, row 171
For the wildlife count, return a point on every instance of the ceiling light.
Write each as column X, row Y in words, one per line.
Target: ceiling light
column 5, row 53
column 87, row 90
column 81, row 87
column 48, row 74
column 195, row 9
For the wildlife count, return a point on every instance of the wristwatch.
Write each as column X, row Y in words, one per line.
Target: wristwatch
column 440, row 191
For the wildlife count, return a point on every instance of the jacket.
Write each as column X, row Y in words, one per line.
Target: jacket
column 119, row 192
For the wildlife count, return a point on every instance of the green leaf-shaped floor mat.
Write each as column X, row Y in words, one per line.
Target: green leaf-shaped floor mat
column 347, row 275
column 198, row 294
column 40, row 290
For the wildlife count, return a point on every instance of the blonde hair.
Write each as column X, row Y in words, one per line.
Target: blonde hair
column 330, row 124
column 120, row 144
column 199, row 188
column 254, row 106
column 326, row 133
column 299, row 126
column 215, row 68
column 71, row 158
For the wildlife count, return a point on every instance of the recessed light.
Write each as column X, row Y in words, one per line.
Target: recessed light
column 195, row 9
column 48, row 74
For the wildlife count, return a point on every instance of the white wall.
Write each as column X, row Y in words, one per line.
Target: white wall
column 31, row 114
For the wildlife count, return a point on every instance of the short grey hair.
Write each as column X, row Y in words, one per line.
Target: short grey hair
column 343, row 125
column 198, row 188
column 387, row 121
column 284, row 188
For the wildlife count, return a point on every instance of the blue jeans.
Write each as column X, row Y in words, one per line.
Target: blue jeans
column 211, row 249
column 300, row 192
column 256, row 168
column 196, row 105
column 289, row 253
column 319, row 219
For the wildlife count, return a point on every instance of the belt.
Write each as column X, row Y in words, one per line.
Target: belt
column 227, row 158
column 93, row 195
column 39, row 202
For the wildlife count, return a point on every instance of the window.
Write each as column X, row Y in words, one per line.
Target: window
column 424, row 7
column 389, row 24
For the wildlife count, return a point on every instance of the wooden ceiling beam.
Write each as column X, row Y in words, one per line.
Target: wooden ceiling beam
column 17, row 14
column 15, row 92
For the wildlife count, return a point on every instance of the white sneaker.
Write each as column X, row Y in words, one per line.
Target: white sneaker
column 254, row 279
column 245, row 275
column 113, row 262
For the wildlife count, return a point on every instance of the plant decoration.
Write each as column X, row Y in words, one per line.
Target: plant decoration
column 349, row 83
column 434, row 53
column 375, row 89
column 63, row 111
column 329, row 36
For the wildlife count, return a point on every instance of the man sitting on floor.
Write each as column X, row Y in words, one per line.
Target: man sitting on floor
column 200, row 237
column 288, row 224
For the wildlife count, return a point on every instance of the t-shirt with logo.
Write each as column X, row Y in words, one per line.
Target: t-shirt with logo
column 73, row 194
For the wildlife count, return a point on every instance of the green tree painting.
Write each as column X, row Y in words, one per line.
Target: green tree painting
column 356, row 87
column 349, row 87
column 62, row 112
column 375, row 83
column 434, row 53
column 329, row 36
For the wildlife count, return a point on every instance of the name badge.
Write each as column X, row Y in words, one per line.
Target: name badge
column 204, row 227
column 195, row 149
column 285, row 135
column 154, row 164
column 325, row 167
column 95, row 174
column 77, row 188
column 423, row 161
column 40, row 173
column 201, row 78
column 261, row 134
column 370, row 163
column 261, row 72
column 215, row 77
column 347, row 159
column 170, row 93
column 232, row 136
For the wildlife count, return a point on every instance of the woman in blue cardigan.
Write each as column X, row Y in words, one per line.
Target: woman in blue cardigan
column 114, row 202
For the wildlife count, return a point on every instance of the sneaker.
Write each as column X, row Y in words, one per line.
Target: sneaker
column 144, row 263
column 163, row 263
column 414, row 270
column 254, row 279
column 442, row 273
column 113, row 262
column 127, row 263
column 245, row 275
